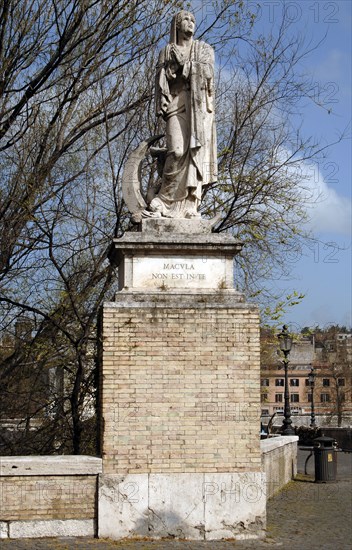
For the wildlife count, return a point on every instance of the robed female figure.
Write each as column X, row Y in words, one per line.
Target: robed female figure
column 184, row 98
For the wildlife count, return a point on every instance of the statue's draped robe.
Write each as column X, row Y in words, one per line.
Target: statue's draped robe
column 191, row 160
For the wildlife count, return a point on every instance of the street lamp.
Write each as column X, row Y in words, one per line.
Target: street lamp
column 285, row 342
column 311, row 379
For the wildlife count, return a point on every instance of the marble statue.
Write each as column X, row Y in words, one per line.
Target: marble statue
column 184, row 98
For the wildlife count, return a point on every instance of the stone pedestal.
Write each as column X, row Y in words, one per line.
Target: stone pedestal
column 180, row 396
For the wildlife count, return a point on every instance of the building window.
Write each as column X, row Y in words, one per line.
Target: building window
column 340, row 381
column 265, row 382
column 309, row 397
column 294, row 397
column 279, row 381
column 294, row 382
column 326, row 382
column 325, row 398
column 279, row 397
column 279, row 410
column 264, row 397
column 308, row 382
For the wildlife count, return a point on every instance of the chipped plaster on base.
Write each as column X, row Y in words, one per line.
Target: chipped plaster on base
column 182, row 506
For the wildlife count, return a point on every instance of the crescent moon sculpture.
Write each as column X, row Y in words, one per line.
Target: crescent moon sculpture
column 131, row 179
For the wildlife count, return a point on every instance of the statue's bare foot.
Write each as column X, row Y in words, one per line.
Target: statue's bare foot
column 149, row 214
column 159, row 207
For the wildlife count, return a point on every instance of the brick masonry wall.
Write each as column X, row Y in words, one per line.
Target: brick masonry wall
column 46, row 498
column 180, row 389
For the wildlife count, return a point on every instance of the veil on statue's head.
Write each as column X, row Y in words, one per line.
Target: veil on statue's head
column 173, row 30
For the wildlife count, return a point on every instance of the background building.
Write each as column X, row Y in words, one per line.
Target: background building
column 330, row 353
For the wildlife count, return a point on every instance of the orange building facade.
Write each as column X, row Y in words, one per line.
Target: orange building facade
column 331, row 360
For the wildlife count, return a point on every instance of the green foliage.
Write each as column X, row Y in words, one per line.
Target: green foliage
column 277, row 312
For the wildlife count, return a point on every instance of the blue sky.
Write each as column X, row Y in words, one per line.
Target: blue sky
column 323, row 271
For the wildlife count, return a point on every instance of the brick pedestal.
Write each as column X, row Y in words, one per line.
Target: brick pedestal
column 180, row 396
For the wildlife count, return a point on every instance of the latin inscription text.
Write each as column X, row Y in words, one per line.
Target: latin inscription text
column 179, row 276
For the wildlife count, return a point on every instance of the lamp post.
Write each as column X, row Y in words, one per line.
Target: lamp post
column 285, row 342
column 311, row 379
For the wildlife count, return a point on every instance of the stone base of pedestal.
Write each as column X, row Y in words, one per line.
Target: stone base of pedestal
column 185, row 506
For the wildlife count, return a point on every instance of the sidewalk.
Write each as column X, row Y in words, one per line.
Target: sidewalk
column 303, row 516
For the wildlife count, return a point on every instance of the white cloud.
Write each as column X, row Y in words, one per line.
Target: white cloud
column 330, row 211
column 327, row 210
column 332, row 66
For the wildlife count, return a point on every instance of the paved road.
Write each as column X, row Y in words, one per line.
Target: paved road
column 303, row 516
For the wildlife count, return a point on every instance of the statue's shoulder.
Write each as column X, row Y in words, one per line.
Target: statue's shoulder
column 204, row 46
column 204, row 51
column 163, row 54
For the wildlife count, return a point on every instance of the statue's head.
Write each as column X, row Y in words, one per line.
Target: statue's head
column 184, row 15
column 182, row 21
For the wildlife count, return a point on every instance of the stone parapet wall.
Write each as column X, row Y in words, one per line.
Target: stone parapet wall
column 48, row 495
column 279, row 462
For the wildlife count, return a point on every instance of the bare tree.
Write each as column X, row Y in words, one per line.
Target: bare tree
column 72, row 80
column 76, row 96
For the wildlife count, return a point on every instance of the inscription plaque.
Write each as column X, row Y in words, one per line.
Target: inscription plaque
column 179, row 272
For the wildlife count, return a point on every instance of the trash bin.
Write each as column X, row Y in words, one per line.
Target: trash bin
column 325, row 458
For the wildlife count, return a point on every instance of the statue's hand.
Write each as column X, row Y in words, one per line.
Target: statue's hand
column 177, row 55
